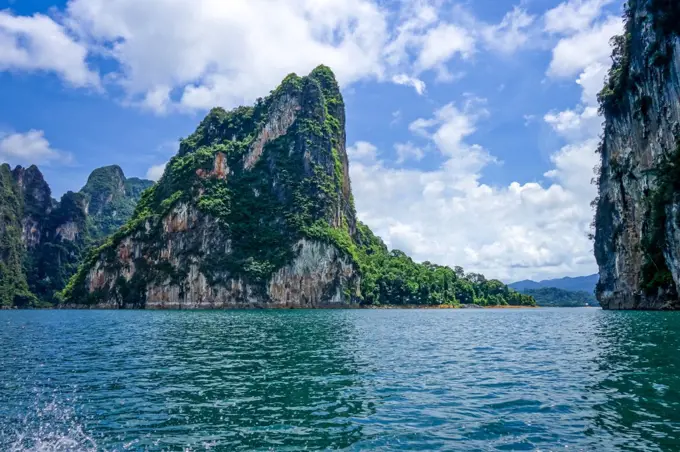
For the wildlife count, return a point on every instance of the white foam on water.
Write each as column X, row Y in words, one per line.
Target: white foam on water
column 50, row 427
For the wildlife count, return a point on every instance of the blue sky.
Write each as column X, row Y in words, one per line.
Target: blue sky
column 471, row 124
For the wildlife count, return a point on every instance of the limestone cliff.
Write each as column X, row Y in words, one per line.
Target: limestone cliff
column 252, row 211
column 37, row 203
column 256, row 210
column 637, row 239
column 77, row 222
column 110, row 199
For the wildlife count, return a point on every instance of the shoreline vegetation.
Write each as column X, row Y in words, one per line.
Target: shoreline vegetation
column 261, row 307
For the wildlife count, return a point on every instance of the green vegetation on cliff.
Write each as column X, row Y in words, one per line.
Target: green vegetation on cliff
column 56, row 258
column 266, row 206
column 257, row 181
column 621, row 81
column 13, row 285
column 79, row 222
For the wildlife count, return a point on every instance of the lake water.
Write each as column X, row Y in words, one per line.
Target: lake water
column 544, row 379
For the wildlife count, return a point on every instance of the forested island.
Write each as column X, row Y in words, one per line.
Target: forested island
column 255, row 210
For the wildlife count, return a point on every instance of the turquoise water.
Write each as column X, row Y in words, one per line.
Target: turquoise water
column 547, row 379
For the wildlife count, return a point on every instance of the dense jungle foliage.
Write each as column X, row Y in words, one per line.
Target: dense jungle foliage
column 13, row 285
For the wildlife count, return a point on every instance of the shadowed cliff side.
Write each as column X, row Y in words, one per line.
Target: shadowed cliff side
column 637, row 235
column 13, row 285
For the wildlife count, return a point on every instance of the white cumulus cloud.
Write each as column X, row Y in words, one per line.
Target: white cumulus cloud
column 573, row 15
column 449, row 216
column 30, row 148
column 578, row 52
column 512, row 33
column 417, row 84
column 408, row 151
column 215, row 52
column 441, row 43
column 576, row 125
column 38, row 43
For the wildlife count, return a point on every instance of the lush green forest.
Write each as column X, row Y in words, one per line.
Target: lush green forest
column 111, row 199
column 13, row 285
column 391, row 277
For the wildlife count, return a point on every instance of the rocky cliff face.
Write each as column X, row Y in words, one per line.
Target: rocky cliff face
column 37, row 203
column 53, row 236
column 637, row 240
column 255, row 210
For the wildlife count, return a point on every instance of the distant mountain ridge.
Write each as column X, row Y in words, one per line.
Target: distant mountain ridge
column 577, row 284
column 551, row 297
column 562, row 292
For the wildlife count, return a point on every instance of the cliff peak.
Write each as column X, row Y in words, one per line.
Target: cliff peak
column 107, row 179
column 256, row 192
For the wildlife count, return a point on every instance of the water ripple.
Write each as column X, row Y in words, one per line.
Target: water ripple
column 545, row 379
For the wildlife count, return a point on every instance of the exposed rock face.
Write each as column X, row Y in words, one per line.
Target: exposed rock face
column 38, row 203
column 637, row 241
column 247, row 214
column 316, row 276
column 282, row 116
column 68, row 231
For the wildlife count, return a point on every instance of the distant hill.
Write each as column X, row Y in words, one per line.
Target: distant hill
column 580, row 283
column 560, row 298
